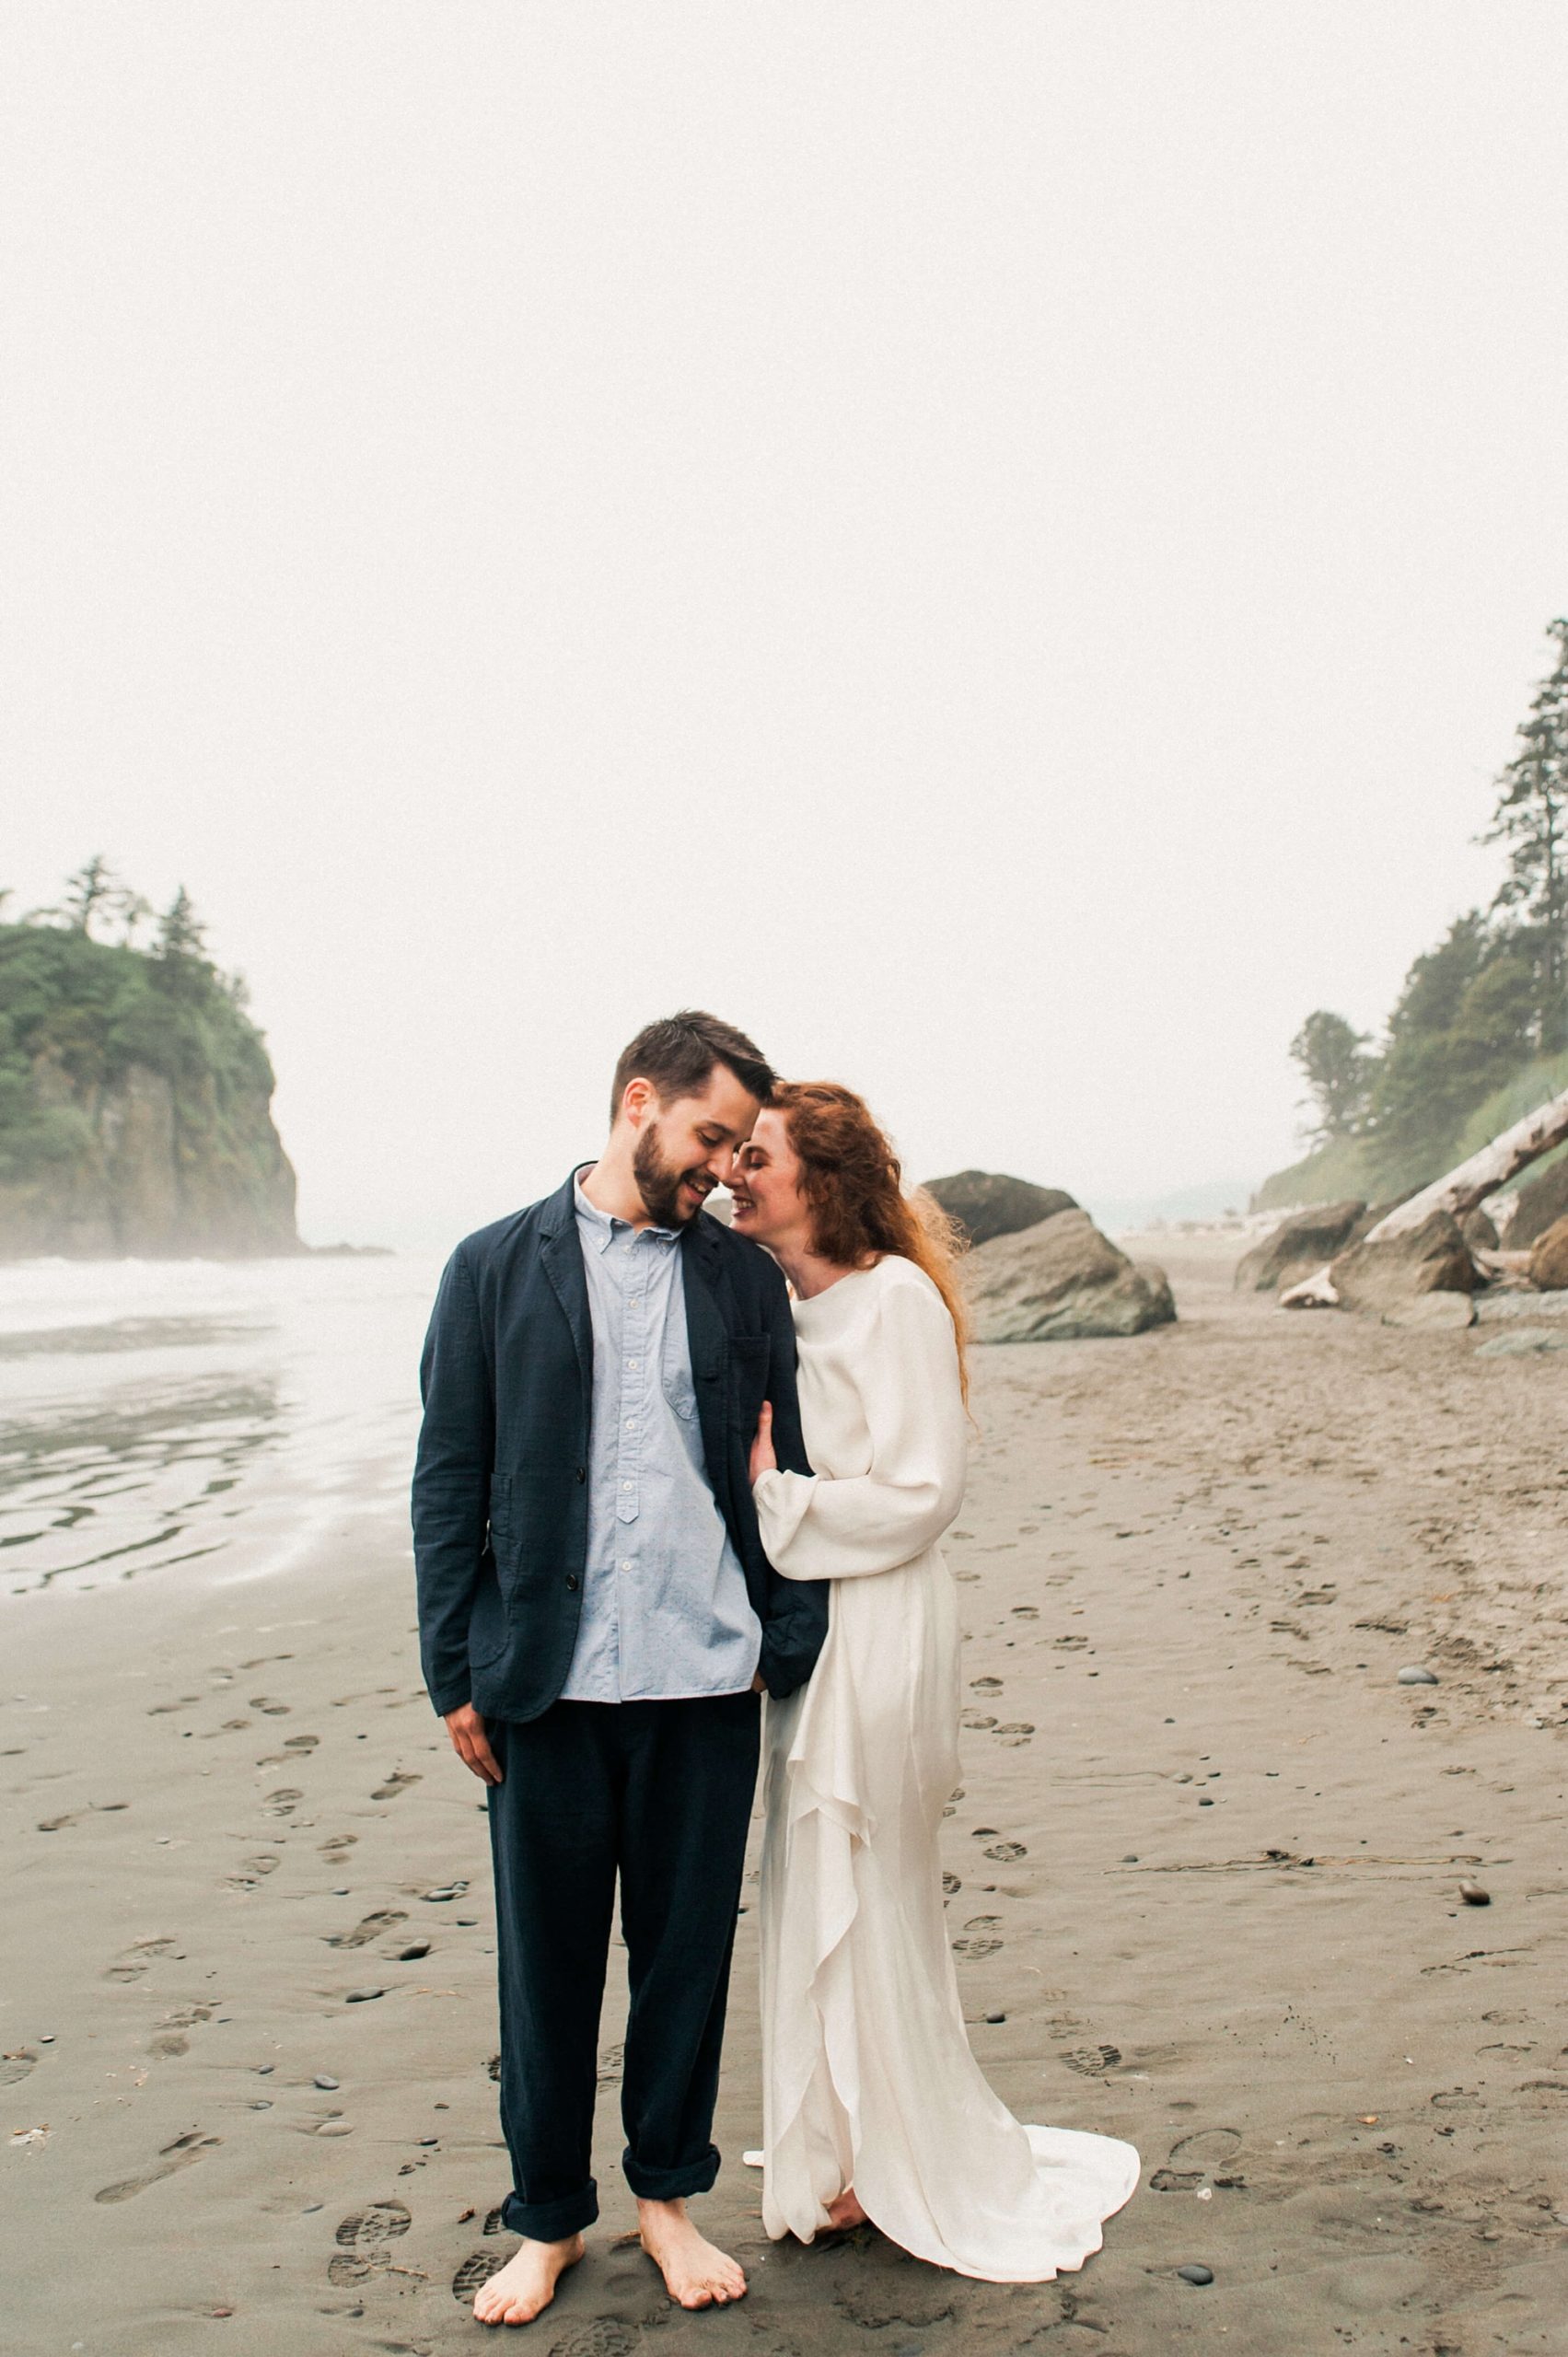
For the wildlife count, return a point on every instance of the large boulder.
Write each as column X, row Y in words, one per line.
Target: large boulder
column 1540, row 1203
column 1298, row 1247
column 1060, row 1281
column 1548, row 1259
column 1433, row 1257
column 987, row 1203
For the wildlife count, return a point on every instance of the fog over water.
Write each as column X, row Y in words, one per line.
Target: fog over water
column 1001, row 548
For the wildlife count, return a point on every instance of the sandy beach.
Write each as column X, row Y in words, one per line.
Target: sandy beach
column 1204, row 1879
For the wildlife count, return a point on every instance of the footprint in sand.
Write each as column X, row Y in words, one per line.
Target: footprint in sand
column 346, row 2268
column 477, row 2269
column 300, row 1742
column 181, row 1703
column 1093, row 2062
column 1005, row 1852
column 178, row 2155
column 1196, row 2157
column 16, row 2065
column 378, row 2221
column 171, row 2040
column 268, row 1707
column 336, row 1843
column 366, row 1929
column 251, row 1872
column 398, row 1781
column 600, row 2337
column 282, row 1801
column 132, row 1962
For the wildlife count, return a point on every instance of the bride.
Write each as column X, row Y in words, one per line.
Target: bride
column 874, row 2108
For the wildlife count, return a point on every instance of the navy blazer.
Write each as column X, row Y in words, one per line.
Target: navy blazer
column 501, row 1479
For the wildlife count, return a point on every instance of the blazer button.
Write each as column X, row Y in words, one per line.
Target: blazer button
column 572, row 1581
column 582, row 1472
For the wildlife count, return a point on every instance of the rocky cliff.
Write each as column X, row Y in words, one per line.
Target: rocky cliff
column 134, row 1106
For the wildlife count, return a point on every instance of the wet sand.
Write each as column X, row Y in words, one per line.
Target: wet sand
column 1206, row 1867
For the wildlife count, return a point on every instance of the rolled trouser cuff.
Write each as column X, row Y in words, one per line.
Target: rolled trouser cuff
column 671, row 2185
column 553, row 2222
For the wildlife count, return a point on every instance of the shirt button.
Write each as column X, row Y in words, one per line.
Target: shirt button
column 626, row 1485
column 625, row 1563
column 632, row 1365
column 630, row 1423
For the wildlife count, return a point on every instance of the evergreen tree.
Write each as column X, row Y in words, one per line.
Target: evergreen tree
column 180, row 948
column 1532, row 819
column 1338, row 1074
column 93, row 887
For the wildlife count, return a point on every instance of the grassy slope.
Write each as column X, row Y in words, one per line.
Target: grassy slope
column 1348, row 1166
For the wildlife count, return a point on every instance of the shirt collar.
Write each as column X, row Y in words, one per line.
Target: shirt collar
column 599, row 1229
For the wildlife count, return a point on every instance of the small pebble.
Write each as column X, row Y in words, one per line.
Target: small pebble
column 342, row 1891
column 334, row 2128
column 1196, row 2274
column 996, row 2017
column 1415, row 1675
column 429, row 2141
column 411, row 1954
column 262, row 2103
column 1474, row 1896
column 447, row 1890
column 310, row 2209
column 1130, row 1858
column 265, row 2069
column 322, row 2080
column 1205, row 1802
column 363, row 1996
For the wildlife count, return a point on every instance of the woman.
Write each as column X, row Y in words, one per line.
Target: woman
column 874, row 2106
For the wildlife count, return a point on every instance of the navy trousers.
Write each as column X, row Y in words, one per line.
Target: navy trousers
column 658, row 1793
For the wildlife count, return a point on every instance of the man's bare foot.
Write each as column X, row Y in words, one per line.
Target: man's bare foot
column 846, row 2211
column 521, row 2290
column 695, row 2274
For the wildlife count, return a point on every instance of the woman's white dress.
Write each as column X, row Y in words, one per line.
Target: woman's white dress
column 867, row 2076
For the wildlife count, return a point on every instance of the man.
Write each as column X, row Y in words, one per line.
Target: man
column 597, row 1620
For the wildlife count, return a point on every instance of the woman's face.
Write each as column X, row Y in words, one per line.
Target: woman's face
column 769, row 1206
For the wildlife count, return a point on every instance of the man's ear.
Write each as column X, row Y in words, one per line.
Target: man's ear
column 637, row 1099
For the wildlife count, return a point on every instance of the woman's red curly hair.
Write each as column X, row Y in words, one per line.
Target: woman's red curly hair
column 853, row 1182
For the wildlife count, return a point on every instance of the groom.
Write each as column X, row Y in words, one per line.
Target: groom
column 597, row 1620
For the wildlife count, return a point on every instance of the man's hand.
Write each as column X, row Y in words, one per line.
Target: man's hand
column 762, row 1457
column 466, row 1731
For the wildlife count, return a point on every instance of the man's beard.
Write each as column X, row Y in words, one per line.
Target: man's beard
column 660, row 1185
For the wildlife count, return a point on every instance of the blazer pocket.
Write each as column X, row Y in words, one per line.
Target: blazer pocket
column 502, row 1506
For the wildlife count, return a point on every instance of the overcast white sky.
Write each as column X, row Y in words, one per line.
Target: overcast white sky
column 1000, row 547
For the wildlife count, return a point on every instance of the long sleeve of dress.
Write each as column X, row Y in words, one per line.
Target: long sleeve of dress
column 816, row 1527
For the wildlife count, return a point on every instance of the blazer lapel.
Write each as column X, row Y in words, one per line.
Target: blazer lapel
column 562, row 1255
column 708, row 1342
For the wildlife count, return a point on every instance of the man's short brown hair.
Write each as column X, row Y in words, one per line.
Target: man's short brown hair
column 679, row 1052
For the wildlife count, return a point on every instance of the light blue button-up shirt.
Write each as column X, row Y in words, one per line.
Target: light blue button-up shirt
column 665, row 1612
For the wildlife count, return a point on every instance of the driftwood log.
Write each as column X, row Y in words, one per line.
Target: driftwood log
column 1457, row 1193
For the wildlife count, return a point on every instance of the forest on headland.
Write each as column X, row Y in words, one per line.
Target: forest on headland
column 135, row 1089
column 1479, row 1034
